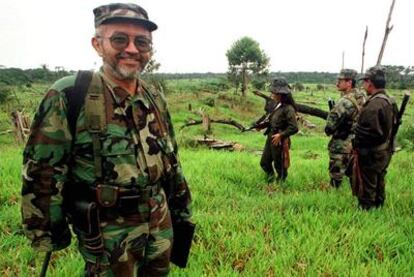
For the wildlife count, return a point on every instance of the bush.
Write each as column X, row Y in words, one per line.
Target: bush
column 405, row 137
column 156, row 82
column 4, row 93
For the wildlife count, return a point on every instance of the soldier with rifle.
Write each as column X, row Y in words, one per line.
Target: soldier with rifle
column 373, row 143
column 102, row 156
column 340, row 125
column 280, row 124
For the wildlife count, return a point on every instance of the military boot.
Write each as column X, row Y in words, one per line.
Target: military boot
column 270, row 178
column 335, row 183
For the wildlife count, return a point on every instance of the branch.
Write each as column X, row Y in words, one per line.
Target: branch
column 260, row 94
column 388, row 29
column 221, row 121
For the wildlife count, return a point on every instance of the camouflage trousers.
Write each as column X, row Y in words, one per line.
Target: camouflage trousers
column 339, row 166
column 135, row 245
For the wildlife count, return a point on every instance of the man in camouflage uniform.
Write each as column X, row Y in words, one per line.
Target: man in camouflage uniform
column 340, row 124
column 373, row 140
column 109, row 174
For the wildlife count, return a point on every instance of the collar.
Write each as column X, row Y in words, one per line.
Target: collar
column 348, row 92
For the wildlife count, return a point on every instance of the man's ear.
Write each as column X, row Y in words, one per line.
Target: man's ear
column 96, row 44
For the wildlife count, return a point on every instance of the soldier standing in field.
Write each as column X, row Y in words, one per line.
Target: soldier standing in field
column 340, row 125
column 106, row 170
column 373, row 143
column 282, row 124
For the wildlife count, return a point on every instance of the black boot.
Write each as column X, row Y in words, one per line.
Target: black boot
column 335, row 183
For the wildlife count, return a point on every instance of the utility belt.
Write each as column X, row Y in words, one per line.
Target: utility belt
column 108, row 196
column 368, row 150
column 111, row 201
column 273, row 131
column 106, row 202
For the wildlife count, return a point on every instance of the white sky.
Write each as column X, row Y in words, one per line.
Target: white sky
column 193, row 36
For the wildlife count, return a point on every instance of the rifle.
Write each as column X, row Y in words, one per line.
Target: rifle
column 331, row 103
column 45, row 264
column 262, row 122
column 400, row 114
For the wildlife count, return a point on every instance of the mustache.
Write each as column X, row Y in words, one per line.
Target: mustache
column 125, row 55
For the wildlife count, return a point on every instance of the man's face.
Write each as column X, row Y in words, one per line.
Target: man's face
column 343, row 84
column 368, row 86
column 125, row 49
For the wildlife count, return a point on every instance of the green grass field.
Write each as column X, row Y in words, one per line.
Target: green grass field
column 246, row 227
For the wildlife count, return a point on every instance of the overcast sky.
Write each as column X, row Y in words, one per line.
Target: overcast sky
column 193, row 36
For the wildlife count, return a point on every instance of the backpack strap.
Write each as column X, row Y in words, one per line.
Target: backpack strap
column 88, row 92
column 95, row 120
column 76, row 98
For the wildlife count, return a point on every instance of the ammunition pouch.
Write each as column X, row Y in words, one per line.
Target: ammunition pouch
column 86, row 223
column 115, row 200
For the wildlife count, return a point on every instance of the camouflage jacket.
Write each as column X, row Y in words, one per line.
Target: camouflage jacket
column 133, row 154
column 341, row 122
column 283, row 121
column 376, row 121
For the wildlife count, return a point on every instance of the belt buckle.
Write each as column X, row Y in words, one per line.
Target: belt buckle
column 106, row 195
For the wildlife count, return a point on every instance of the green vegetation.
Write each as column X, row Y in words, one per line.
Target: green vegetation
column 247, row 227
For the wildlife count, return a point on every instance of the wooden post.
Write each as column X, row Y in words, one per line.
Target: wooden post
column 363, row 50
column 388, row 29
column 21, row 126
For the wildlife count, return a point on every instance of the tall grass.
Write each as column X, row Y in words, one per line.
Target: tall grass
column 245, row 226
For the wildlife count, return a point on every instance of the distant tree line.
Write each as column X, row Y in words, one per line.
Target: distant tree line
column 398, row 77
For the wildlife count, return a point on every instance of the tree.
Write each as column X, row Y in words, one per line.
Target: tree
column 153, row 79
column 246, row 58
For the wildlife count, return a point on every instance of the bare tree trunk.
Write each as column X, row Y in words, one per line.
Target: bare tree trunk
column 388, row 29
column 363, row 50
column 244, row 81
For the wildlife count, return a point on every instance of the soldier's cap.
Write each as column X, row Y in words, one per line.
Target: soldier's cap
column 374, row 73
column 347, row 74
column 280, row 90
column 279, row 83
column 121, row 12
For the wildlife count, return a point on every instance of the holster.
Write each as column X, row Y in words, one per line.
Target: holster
column 85, row 220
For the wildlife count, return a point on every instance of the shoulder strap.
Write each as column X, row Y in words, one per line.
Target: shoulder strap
column 95, row 121
column 353, row 101
column 159, row 107
column 76, row 98
column 95, row 115
column 382, row 96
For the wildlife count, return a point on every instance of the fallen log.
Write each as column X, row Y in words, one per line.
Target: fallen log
column 302, row 108
column 221, row 121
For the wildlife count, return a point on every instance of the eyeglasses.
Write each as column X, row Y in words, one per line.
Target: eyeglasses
column 121, row 41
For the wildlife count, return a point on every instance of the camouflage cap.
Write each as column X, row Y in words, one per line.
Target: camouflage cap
column 348, row 74
column 374, row 73
column 123, row 12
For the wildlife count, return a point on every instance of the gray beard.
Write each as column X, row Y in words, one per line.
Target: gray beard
column 121, row 73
